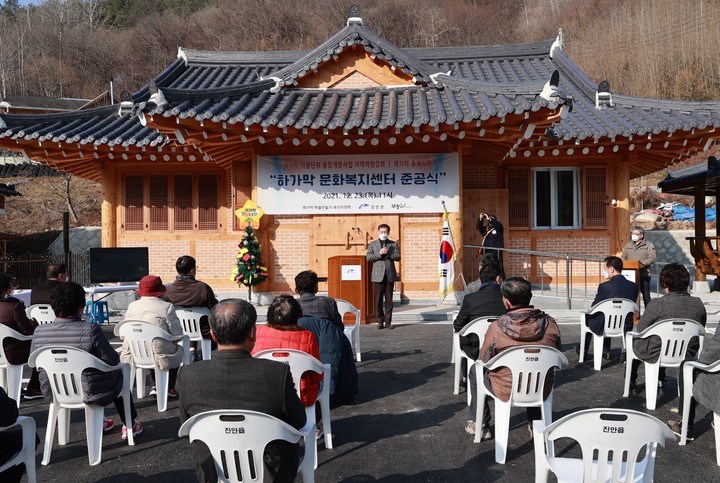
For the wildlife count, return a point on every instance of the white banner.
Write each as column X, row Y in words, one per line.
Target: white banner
column 374, row 183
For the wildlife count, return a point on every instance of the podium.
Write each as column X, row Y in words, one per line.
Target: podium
column 349, row 279
column 631, row 271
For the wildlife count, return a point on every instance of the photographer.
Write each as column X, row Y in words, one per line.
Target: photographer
column 491, row 231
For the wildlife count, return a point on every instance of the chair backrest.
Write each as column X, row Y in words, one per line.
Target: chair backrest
column 6, row 331
column 478, row 327
column 529, row 366
column 190, row 320
column 675, row 335
column 42, row 313
column 613, row 438
column 345, row 307
column 139, row 336
column 300, row 362
column 615, row 312
column 64, row 366
column 237, row 439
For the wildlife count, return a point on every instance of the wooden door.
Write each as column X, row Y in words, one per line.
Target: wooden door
column 333, row 235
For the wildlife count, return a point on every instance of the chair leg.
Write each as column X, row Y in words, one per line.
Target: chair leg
column 140, row 378
column 467, row 378
column 50, row 432
column 716, row 420
column 502, row 430
column 206, row 349
column 356, row 336
column 480, row 411
column 14, row 381
column 541, row 467
column 651, row 384
column 687, row 395
column 546, row 409
column 583, row 335
column 162, row 380
column 597, row 351
column 94, row 416
column 628, row 370
column 310, row 438
column 324, row 399
column 458, row 372
column 63, row 426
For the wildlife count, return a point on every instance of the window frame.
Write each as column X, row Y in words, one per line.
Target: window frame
column 170, row 205
column 577, row 198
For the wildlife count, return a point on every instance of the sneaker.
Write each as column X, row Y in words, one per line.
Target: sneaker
column 470, row 427
column 172, row 393
column 319, row 431
column 136, row 429
column 31, row 394
column 675, row 410
column 676, row 427
column 108, row 425
column 153, row 391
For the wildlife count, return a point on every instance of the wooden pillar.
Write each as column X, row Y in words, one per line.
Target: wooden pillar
column 700, row 225
column 456, row 218
column 263, row 232
column 109, row 206
column 621, row 188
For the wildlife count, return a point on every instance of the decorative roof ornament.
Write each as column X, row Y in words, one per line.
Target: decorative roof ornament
column 603, row 96
column 354, row 17
column 156, row 95
column 550, row 91
column 435, row 80
column 182, row 55
column 126, row 103
column 558, row 44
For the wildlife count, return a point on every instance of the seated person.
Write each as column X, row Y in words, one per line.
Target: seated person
column 521, row 325
column 677, row 303
column 486, row 259
column 233, row 379
column 12, row 314
column 40, row 293
column 152, row 309
column 103, row 388
column 11, row 441
column 616, row 287
column 306, row 285
column 486, row 301
column 186, row 291
column 283, row 332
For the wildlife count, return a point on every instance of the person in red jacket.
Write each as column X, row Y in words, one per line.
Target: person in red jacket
column 283, row 332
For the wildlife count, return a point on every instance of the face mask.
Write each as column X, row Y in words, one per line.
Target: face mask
column 605, row 274
column 383, row 236
column 634, row 237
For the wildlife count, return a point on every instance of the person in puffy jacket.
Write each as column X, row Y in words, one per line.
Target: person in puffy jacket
column 12, row 314
column 283, row 332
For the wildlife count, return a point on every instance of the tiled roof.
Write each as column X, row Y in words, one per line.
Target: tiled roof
column 685, row 181
column 8, row 190
column 26, row 169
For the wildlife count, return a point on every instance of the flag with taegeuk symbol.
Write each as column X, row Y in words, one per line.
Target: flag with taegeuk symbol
column 446, row 263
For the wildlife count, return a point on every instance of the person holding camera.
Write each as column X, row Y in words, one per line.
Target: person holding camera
column 491, row 231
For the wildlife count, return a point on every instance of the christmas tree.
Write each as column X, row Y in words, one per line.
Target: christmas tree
column 249, row 270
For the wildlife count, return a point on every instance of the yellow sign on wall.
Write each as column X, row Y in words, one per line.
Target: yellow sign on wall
column 250, row 214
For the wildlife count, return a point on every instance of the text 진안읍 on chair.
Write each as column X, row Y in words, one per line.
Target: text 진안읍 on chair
column 610, row 440
column 11, row 374
column 237, row 439
column 675, row 336
column 190, row 320
column 529, row 366
column 139, row 336
column 352, row 332
column 64, row 366
column 615, row 312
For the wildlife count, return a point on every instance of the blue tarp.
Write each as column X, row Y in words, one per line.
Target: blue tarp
column 685, row 213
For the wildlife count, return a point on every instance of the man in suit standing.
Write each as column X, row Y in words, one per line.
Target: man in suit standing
column 616, row 287
column 383, row 252
column 233, row 379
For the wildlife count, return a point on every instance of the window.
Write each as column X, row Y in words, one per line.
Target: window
column 556, row 197
column 171, row 203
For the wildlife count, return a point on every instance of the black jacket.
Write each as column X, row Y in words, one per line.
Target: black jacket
column 617, row 287
column 487, row 301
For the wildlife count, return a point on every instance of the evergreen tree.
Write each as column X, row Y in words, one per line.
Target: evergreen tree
column 249, row 270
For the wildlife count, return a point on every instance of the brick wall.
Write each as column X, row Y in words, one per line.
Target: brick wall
column 356, row 80
column 420, row 248
column 479, row 175
column 290, row 250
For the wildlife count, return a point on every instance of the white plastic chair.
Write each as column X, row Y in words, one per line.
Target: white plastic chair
column 615, row 311
column 301, row 362
column 478, row 327
column 139, row 336
column 610, row 440
column 42, row 313
column 27, row 453
column 688, row 369
column 190, row 320
column 529, row 366
column 455, row 340
column 64, row 366
column 11, row 374
column 237, row 439
column 352, row 332
column 675, row 335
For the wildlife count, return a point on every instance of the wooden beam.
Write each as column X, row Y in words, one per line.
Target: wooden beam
column 108, row 207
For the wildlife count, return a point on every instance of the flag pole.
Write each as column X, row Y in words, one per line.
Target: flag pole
column 452, row 239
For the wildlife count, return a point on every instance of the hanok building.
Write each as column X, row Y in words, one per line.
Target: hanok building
column 357, row 132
